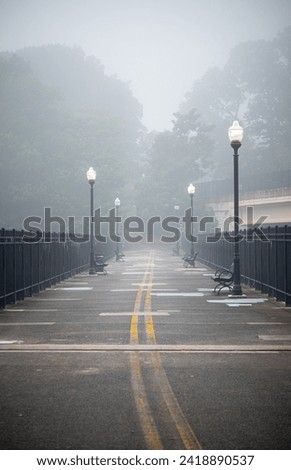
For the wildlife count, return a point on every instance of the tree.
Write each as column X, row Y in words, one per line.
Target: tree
column 262, row 70
column 176, row 158
column 53, row 129
column 254, row 86
column 26, row 114
column 83, row 85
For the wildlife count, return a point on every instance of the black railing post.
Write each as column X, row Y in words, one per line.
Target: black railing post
column 31, row 267
column 22, row 248
column 4, row 268
column 276, row 260
column 14, row 265
column 268, row 258
column 254, row 259
column 285, row 263
column 288, row 265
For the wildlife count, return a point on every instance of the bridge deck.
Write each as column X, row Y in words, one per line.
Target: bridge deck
column 145, row 357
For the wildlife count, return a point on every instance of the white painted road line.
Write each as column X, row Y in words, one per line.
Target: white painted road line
column 125, row 290
column 192, row 273
column 238, row 301
column 165, row 290
column 264, row 323
column 239, row 305
column 275, row 337
column 27, row 324
column 143, row 290
column 75, row 283
column 31, row 310
column 178, row 294
column 190, row 269
column 61, row 299
column 13, row 310
column 72, row 288
column 11, row 342
column 149, row 284
column 138, row 314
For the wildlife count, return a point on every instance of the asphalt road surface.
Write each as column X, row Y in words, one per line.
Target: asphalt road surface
column 146, row 357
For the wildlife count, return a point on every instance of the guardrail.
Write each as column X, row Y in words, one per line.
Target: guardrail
column 27, row 267
column 265, row 261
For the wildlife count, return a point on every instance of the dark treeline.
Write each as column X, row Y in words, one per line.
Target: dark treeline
column 253, row 86
column 61, row 114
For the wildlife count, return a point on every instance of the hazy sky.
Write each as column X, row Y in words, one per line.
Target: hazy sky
column 158, row 46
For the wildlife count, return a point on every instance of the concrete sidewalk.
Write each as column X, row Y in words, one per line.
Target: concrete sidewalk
column 78, row 360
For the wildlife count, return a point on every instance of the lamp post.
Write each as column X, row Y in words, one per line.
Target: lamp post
column 117, row 204
column 235, row 134
column 177, row 208
column 191, row 192
column 91, row 177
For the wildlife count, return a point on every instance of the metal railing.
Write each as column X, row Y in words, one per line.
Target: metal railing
column 265, row 261
column 27, row 267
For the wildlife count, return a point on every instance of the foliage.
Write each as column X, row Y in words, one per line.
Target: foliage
column 59, row 115
column 254, row 86
column 176, row 158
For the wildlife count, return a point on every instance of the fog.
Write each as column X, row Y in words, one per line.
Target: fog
column 143, row 91
column 159, row 46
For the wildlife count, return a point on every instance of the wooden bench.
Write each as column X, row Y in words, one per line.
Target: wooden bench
column 224, row 278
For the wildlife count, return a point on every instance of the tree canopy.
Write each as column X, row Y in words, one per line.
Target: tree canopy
column 176, row 158
column 253, row 86
column 61, row 114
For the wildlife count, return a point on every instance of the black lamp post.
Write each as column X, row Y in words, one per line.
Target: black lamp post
column 117, row 204
column 235, row 134
column 91, row 177
column 191, row 192
column 177, row 208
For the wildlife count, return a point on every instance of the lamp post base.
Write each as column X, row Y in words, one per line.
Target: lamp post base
column 236, row 290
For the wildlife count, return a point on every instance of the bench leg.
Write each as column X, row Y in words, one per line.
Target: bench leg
column 223, row 286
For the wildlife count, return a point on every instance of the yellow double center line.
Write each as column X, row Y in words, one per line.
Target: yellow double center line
column 147, row 422
column 149, row 427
